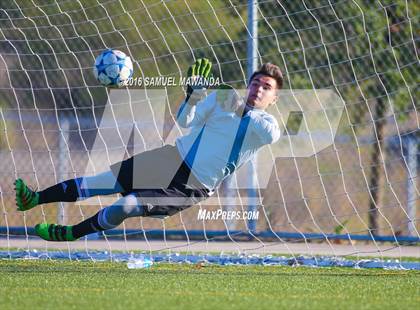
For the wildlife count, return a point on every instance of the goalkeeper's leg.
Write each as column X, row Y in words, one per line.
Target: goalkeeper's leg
column 67, row 191
column 105, row 219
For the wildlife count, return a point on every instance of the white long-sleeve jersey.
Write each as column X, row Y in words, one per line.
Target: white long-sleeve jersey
column 219, row 142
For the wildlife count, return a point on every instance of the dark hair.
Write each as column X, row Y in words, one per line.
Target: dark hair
column 270, row 70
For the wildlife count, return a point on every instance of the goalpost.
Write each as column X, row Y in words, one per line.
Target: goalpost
column 342, row 180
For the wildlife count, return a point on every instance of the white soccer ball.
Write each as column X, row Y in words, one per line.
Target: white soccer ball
column 113, row 68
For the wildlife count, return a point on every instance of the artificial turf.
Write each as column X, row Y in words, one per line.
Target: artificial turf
column 48, row 284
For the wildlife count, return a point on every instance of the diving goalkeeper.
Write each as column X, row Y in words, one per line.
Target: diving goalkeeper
column 225, row 132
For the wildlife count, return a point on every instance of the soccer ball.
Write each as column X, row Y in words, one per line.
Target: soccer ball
column 113, row 68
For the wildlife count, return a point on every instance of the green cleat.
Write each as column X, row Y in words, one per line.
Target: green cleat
column 26, row 198
column 54, row 232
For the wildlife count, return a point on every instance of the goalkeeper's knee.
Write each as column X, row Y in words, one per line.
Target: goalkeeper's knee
column 126, row 207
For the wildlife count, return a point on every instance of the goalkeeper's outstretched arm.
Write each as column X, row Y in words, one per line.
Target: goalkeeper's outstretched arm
column 264, row 126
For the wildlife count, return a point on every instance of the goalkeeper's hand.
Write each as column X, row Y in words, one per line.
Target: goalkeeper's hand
column 229, row 99
column 198, row 74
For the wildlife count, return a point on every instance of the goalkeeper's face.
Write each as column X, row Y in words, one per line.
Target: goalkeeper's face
column 262, row 92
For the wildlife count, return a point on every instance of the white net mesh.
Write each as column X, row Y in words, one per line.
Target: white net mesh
column 342, row 173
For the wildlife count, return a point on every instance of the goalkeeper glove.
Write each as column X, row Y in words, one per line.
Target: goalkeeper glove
column 197, row 75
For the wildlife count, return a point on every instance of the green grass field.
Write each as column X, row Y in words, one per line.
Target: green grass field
column 66, row 284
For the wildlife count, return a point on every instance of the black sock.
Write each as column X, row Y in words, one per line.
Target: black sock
column 89, row 226
column 67, row 191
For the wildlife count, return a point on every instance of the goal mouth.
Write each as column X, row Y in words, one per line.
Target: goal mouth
column 339, row 187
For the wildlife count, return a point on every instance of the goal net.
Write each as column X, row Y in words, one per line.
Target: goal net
column 341, row 181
